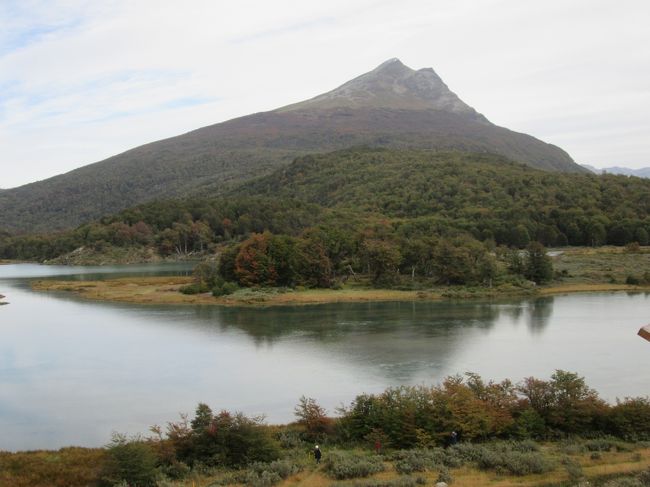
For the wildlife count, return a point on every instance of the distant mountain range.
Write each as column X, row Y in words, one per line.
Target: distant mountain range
column 392, row 106
column 644, row 172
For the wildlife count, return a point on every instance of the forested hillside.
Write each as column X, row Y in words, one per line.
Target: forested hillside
column 391, row 106
column 488, row 196
column 399, row 200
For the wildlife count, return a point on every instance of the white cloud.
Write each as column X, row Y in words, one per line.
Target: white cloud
column 83, row 80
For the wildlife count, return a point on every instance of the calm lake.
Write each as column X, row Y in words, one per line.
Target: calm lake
column 73, row 371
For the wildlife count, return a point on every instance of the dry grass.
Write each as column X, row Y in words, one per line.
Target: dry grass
column 165, row 290
column 68, row 467
column 588, row 288
column 601, row 265
column 76, row 467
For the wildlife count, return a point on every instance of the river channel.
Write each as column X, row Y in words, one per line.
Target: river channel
column 72, row 371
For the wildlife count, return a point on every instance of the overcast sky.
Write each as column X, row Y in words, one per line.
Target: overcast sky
column 84, row 80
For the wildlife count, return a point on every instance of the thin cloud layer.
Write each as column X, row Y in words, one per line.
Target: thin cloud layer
column 83, row 80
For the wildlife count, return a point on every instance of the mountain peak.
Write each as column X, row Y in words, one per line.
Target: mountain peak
column 393, row 85
column 393, row 64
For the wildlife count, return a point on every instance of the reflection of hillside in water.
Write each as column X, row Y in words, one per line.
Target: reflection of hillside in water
column 401, row 341
column 332, row 322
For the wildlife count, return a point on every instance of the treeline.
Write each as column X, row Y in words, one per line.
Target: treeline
column 424, row 416
column 396, row 420
column 405, row 417
column 172, row 227
column 410, row 195
column 322, row 257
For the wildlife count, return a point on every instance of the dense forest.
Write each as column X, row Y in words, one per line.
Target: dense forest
column 385, row 213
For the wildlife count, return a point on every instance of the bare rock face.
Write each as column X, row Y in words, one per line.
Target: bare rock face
column 396, row 86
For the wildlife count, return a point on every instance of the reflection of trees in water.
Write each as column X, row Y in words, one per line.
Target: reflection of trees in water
column 535, row 312
column 397, row 340
column 333, row 322
column 400, row 340
column 633, row 294
column 513, row 311
column 541, row 310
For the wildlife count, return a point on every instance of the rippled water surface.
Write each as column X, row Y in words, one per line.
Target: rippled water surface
column 72, row 371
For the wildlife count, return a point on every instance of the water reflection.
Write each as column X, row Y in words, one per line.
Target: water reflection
column 73, row 370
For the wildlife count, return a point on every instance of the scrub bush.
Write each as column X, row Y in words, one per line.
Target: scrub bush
column 347, row 466
column 131, row 461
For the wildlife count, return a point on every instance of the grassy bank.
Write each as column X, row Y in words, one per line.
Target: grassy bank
column 577, row 270
column 166, row 290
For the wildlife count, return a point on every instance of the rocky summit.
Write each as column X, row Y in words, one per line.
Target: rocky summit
column 393, row 85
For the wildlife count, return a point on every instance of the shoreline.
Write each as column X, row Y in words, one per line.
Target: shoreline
column 166, row 291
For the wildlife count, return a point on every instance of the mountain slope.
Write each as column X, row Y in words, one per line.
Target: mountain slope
column 415, row 183
column 391, row 106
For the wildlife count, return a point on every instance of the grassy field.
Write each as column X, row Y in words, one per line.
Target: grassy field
column 601, row 265
column 566, row 464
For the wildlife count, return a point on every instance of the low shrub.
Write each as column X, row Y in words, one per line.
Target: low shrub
column 398, row 482
column 523, row 446
column 516, row 458
column 409, row 461
column 224, row 289
column 605, row 444
column 282, row 468
column 194, row 288
column 572, row 468
column 343, row 466
column 263, row 479
column 572, row 447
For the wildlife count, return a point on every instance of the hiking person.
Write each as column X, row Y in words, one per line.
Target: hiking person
column 317, row 454
column 453, row 438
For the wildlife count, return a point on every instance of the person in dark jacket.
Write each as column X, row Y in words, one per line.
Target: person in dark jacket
column 317, row 454
column 453, row 438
